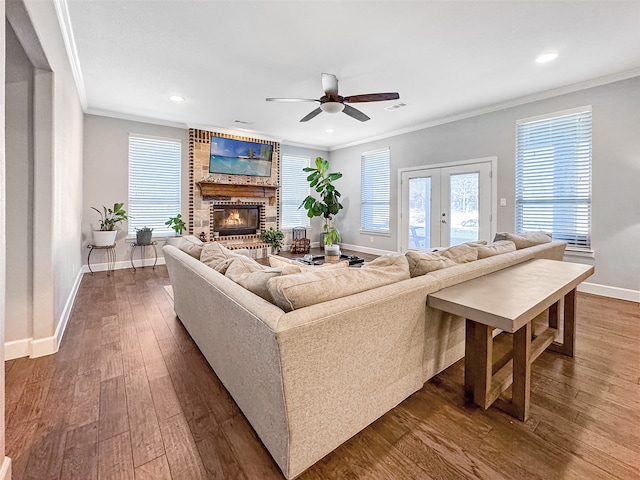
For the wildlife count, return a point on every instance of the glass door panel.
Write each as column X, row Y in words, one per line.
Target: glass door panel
column 445, row 206
column 463, row 202
column 419, row 233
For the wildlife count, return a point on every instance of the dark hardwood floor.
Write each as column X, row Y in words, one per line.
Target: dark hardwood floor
column 129, row 396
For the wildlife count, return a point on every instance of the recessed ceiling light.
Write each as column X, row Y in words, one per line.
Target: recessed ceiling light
column 176, row 98
column 329, row 130
column 547, row 57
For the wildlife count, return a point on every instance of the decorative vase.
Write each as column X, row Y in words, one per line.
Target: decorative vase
column 143, row 237
column 104, row 238
column 332, row 250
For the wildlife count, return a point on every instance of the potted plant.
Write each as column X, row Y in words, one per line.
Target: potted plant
column 273, row 238
column 143, row 235
column 328, row 205
column 109, row 218
column 177, row 225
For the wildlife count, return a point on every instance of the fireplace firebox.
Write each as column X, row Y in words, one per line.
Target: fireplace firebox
column 236, row 219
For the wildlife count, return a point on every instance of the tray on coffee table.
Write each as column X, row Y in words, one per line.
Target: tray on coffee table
column 319, row 259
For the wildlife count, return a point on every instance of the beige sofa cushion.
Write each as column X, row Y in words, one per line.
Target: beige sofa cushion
column 192, row 245
column 301, row 290
column 460, row 253
column 526, row 239
column 249, row 274
column 421, row 263
column 496, row 248
column 278, row 261
column 218, row 257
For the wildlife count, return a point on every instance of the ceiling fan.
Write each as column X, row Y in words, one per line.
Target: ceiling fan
column 331, row 102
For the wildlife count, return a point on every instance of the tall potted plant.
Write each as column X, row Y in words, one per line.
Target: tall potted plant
column 327, row 205
column 109, row 218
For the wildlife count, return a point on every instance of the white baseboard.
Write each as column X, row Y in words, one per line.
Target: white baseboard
column 17, row 348
column 122, row 265
column 5, row 470
column 28, row 347
column 360, row 248
column 607, row 291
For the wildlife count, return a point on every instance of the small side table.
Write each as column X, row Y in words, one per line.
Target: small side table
column 143, row 246
column 111, row 256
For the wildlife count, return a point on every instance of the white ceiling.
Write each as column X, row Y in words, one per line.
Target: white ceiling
column 447, row 59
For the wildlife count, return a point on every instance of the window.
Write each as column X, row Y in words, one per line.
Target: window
column 553, row 176
column 374, row 200
column 154, row 183
column 294, row 189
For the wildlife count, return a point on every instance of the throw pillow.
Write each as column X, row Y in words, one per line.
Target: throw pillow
column 526, row 239
column 217, row 256
column 496, row 248
column 421, row 263
column 460, row 253
column 300, row 290
column 249, row 274
column 192, row 245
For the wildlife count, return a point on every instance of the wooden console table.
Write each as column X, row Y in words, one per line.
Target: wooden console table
column 510, row 300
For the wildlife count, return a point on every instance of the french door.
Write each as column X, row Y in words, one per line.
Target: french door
column 446, row 206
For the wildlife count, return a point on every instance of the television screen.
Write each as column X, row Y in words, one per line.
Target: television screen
column 239, row 157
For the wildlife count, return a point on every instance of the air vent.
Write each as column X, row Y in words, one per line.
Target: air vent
column 395, row 107
column 242, row 122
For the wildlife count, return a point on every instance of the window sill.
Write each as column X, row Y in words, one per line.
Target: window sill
column 570, row 252
column 375, row 233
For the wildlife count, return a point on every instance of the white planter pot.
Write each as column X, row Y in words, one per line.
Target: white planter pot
column 104, row 238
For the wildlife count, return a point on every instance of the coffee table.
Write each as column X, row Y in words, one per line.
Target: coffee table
column 510, row 299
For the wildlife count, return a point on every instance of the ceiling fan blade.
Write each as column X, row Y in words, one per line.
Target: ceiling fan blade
column 372, row 97
column 311, row 115
column 291, row 100
column 357, row 114
column 329, row 83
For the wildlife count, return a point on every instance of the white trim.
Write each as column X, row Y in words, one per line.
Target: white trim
column 66, row 311
column 5, row 470
column 122, row 265
column 17, row 348
column 44, row 346
column 62, row 11
column 576, row 87
column 612, row 292
column 360, row 248
column 135, row 118
column 561, row 113
column 28, row 347
column 494, row 190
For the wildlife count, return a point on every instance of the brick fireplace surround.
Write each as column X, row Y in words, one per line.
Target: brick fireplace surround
column 207, row 190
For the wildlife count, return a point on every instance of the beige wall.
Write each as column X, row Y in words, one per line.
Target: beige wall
column 106, row 174
column 19, row 190
column 4, row 474
column 52, row 221
column 616, row 170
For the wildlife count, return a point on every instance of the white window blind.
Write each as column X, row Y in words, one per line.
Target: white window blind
column 553, row 176
column 374, row 200
column 294, row 188
column 154, row 183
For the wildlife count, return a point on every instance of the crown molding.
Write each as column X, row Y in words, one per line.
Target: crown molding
column 576, row 87
column 62, row 11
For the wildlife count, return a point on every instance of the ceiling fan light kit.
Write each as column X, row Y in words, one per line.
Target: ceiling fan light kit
column 331, row 102
column 332, row 107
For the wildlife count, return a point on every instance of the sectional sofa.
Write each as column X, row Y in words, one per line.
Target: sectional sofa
column 312, row 357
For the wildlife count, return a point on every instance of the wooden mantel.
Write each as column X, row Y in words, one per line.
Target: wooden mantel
column 213, row 189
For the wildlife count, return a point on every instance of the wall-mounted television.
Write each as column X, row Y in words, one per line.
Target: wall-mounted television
column 239, row 157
